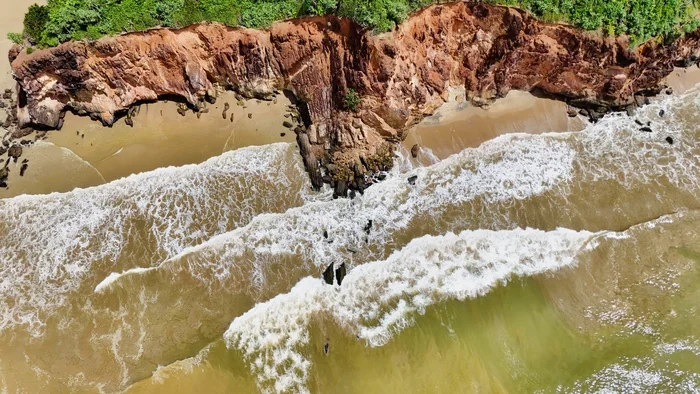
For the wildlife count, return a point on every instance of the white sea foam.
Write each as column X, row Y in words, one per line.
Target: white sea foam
column 51, row 245
column 381, row 298
column 501, row 171
column 637, row 375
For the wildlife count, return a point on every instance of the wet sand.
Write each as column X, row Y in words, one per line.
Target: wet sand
column 161, row 137
column 458, row 125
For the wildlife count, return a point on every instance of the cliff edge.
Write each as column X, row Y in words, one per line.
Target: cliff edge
column 400, row 77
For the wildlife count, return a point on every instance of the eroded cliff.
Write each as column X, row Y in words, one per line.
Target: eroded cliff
column 400, row 76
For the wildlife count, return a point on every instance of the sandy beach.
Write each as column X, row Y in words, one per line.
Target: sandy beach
column 84, row 153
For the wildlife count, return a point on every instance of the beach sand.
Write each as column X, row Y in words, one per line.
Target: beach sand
column 84, row 153
column 458, row 125
column 161, row 137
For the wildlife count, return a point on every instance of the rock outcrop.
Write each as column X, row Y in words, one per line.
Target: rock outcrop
column 400, row 77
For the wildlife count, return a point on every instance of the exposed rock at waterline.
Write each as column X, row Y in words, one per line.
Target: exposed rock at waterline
column 340, row 273
column 401, row 77
column 328, row 274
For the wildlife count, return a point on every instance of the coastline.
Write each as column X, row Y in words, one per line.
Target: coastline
column 398, row 78
column 161, row 137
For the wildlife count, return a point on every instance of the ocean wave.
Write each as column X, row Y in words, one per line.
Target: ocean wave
column 51, row 245
column 381, row 298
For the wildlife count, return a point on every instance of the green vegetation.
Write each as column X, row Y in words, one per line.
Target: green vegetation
column 351, row 100
column 17, row 38
column 63, row 20
column 639, row 19
column 30, row 50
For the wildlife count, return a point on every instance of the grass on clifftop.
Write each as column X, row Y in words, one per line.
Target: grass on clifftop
column 64, row 20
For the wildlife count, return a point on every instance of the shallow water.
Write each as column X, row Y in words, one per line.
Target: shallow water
column 556, row 262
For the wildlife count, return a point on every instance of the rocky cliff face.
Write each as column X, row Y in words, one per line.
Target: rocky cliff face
column 400, row 76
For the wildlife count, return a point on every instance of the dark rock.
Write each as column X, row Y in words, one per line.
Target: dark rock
column 23, row 132
column 129, row 121
column 571, row 111
column 328, row 274
column 662, row 113
column 23, row 168
column 381, row 176
column 639, row 122
column 645, row 129
column 283, row 134
column 340, row 273
column 414, row 150
column 310, row 161
column 287, row 124
column 4, row 173
column 199, row 115
column 368, row 227
column 15, row 151
column 353, row 194
column 226, row 106
column 2, row 104
column 325, row 234
column 224, row 115
column 669, row 139
column 669, row 90
column 250, row 116
column 412, row 179
column 3, row 184
column 595, row 115
column 325, row 348
column 341, row 189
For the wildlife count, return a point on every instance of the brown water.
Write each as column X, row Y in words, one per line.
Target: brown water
column 555, row 262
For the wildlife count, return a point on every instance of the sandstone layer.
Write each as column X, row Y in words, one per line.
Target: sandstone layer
column 400, row 77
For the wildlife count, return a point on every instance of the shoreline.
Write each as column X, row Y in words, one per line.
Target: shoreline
column 161, row 137
column 358, row 93
column 66, row 160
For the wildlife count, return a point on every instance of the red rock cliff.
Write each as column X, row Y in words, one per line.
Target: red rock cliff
column 401, row 76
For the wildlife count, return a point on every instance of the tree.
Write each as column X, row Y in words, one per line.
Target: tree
column 34, row 22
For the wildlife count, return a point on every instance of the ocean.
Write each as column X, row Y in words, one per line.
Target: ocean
column 560, row 262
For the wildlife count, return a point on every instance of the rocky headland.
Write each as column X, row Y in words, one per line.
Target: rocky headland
column 321, row 62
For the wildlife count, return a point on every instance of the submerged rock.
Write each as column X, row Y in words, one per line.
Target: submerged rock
column 328, row 274
column 414, row 150
column 368, row 227
column 15, row 151
column 340, row 274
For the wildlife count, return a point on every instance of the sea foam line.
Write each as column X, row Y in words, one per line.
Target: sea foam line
column 380, row 298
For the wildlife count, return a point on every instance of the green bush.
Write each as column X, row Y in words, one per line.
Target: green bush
column 17, row 38
column 351, row 100
column 63, row 20
column 35, row 21
column 30, row 50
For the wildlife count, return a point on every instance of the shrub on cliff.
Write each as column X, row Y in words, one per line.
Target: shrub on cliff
column 17, row 38
column 351, row 100
column 35, row 22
